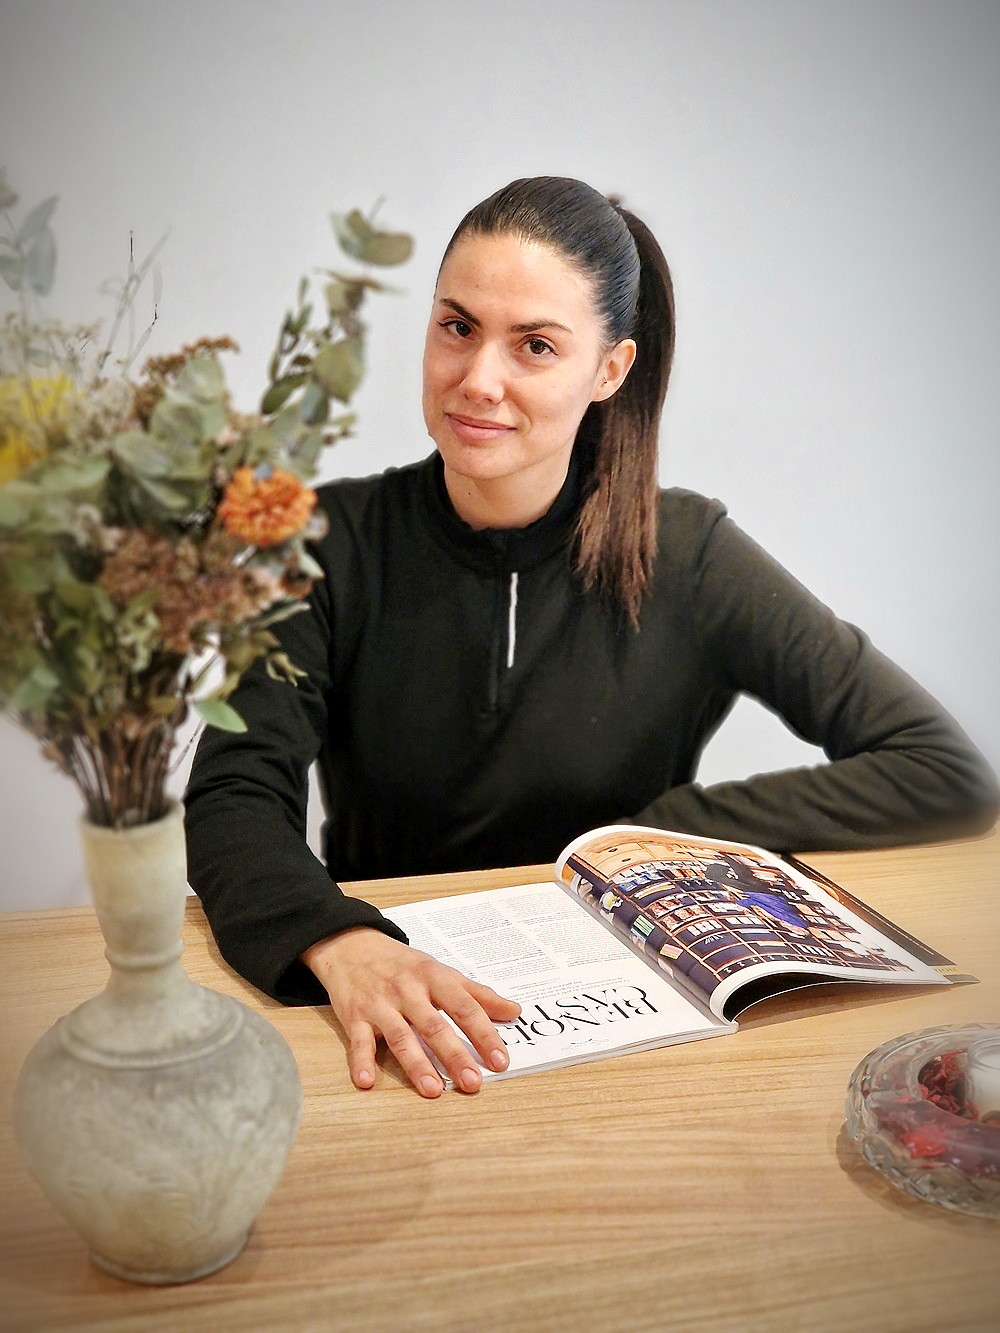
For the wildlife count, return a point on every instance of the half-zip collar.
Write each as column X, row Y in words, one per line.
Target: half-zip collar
column 501, row 550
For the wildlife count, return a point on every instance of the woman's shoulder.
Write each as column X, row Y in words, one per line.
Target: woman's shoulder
column 679, row 502
column 687, row 520
column 367, row 516
column 354, row 495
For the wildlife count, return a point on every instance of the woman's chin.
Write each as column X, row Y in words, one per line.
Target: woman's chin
column 477, row 462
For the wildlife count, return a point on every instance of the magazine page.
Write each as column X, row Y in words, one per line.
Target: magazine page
column 582, row 991
column 718, row 915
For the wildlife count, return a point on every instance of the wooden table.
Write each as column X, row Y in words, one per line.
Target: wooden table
column 701, row 1187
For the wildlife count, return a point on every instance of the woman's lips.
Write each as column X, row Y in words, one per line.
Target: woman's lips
column 470, row 430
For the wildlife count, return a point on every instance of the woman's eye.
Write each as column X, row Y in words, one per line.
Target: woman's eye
column 458, row 326
column 538, row 347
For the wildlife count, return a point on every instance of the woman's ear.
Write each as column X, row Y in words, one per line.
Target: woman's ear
column 616, row 365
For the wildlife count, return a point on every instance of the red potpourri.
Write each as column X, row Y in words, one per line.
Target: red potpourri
column 943, row 1125
column 942, row 1081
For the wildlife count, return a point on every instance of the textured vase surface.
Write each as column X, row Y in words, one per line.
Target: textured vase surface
column 158, row 1116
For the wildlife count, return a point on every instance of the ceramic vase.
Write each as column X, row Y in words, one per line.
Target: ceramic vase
column 158, row 1116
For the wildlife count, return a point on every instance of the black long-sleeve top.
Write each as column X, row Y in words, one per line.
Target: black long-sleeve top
column 470, row 706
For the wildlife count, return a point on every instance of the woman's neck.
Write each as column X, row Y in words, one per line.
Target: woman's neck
column 513, row 501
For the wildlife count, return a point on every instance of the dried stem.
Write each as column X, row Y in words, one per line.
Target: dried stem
column 126, row 298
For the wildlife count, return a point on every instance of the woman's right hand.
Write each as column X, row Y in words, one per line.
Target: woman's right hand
column 379, row 987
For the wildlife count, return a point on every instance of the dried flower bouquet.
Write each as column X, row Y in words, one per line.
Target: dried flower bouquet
column 150, row 534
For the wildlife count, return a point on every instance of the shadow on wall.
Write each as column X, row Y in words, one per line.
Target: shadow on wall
column 41, row 861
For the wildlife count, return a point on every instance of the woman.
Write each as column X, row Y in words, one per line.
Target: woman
column 522, row 637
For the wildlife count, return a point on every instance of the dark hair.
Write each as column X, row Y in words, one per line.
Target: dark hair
column 618, row 438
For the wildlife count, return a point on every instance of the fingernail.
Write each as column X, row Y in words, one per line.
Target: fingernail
column 469, row 1080
column 430, row 1086
column 499, row 1059
column 365, row 1078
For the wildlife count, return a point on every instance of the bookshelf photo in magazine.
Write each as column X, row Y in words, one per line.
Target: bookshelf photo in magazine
column 647, row 938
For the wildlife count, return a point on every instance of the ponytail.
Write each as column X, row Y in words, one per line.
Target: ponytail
column 617, row 527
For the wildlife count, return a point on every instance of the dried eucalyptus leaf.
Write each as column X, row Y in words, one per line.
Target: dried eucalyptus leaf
column 142, row 601
column 86, row 652
column 279, row 666
column 315, row 406
column 285, row 612
column 202, row 379
column 296, row 326
column 307, row 452
column 359, row 224
column 36, row 690
column 29, row 573
column 62, row 572
column 163, row 705
column 217, row 713
column 141, row 454
column 286, row 427
column 69, row 625
column 76, row 595
column 213, row 418
column 339, row 368
column 239, row 654
column 351, row 230
column 12, row 271
column 69, row 477
column 261, row 446
column 361, row 280
column 309, row 566
column 55, row 516
column 179, row 420
column 12, row 512
column 24, row 492
column 36, row 219
column 280, row 392
column 371, row 245
column 40, row 262
column 167, row 496
column 232, row 679
column 343, row 296
column 194, row 464
column 386, row 248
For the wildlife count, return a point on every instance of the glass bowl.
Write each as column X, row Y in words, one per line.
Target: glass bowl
column 903, row 1105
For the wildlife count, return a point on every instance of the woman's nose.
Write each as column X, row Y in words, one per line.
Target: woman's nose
column 484, row 375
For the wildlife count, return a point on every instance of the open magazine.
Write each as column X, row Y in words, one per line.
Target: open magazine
column 647, row 938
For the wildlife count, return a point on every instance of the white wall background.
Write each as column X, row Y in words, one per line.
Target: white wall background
column 824, row 178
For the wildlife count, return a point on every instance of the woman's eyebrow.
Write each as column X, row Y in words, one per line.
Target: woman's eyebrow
column 532, row 327
column 540, row 324
column 460, row 311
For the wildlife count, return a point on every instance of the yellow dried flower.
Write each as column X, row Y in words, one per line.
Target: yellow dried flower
column 32, row 413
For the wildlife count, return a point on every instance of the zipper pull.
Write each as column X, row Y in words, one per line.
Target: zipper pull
column 511, row 619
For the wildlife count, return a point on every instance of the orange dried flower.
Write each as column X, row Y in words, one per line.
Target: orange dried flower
column 265, row 511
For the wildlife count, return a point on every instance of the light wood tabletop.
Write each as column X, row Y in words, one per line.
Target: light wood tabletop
column 699, row 1187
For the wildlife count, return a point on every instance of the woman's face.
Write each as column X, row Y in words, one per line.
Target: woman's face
column 513, row 357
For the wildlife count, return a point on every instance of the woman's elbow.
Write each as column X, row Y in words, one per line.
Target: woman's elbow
column 970, row 796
